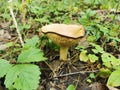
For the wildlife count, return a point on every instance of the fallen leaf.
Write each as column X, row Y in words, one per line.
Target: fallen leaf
column 5, row 25
column 4, row 34
column 6, row 45
column 98, row 86
column 3, row 47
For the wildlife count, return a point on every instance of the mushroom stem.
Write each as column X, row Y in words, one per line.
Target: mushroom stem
column 63, row 53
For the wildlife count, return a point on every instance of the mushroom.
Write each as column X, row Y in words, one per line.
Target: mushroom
column 64, row 35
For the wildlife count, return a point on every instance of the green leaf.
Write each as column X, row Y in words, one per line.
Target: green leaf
column 31, row 42
column 115, row 62
column 104, row 30
column 90, row 13
column 117, row 67
column 109, row 60
column 97, row 49
column 27, row 26
column 114, row 79
column 106, row 60
column 9, row 44
column 92, row 75
column 91, row 38
column 71, row 87
column 93, row 57
column 89, row 80
column 31, row 55
column 104, row 73
column 23, row 77
column 4, row 67
column 84, row 20
column 113, row 33
column 88, row 1
column 83, row 56
column 115, row 38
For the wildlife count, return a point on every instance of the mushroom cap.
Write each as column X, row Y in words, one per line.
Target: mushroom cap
column 63, row 35
column 71, row 31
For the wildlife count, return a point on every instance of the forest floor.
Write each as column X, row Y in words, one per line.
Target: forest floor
column 56, row 74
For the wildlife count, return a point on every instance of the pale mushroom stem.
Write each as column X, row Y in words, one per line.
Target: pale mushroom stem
column 63, row 53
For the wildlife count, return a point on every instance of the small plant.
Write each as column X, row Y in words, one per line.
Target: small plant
column 23, row 74
column 71, row 87
column 108, row 60
column 91, row 76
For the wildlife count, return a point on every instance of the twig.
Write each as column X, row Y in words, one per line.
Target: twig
column 15, row 22
column 74, row 73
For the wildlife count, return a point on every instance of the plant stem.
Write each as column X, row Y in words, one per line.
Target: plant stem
column 15, row 22
column 71, row 7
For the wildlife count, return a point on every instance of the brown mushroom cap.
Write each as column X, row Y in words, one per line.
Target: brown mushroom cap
column 64, row 35
column 72, row 31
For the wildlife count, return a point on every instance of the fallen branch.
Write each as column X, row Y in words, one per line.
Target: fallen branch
column 74, row 73
column 15, row 22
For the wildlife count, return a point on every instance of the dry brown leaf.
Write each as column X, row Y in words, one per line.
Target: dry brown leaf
column 4, row 34
column 3, row 47
column 5, row 25
column 98, row 86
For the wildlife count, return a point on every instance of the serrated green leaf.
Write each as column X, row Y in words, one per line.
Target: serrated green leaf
column 23, row 77
column 11, row 76
column 32, row 42
column 93, row 57
column 31, row 55
column 71, row 87
column 4, row 67
column 83, row 56
column 114, row 79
